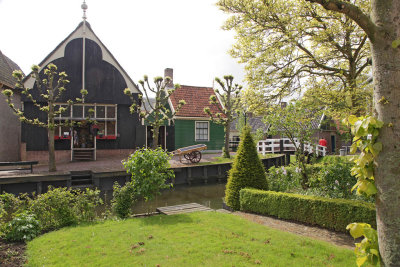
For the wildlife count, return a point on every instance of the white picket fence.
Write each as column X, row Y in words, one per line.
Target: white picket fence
column 273, row 146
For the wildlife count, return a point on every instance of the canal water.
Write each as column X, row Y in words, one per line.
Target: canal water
column 209, row 195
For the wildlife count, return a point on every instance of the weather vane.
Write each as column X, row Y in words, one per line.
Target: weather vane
column 84, row 8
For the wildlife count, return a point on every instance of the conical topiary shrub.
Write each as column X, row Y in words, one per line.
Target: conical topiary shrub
column 247, row 171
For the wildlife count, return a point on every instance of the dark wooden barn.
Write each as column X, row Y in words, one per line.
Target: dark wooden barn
column 89, row 65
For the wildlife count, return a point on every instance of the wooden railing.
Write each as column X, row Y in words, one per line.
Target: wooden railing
column 284, row 145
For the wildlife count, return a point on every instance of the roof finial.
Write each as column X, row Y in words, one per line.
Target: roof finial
column 84, row 7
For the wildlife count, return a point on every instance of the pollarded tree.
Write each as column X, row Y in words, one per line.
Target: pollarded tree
column 292, row 45
column 157, row 113
column 50, row 89
column 247, row 171
column 230, row 104
column 296, row 123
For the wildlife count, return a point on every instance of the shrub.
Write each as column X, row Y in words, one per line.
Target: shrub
column 288, row 179
column 336, row 180
column 334, row 214
column 23, row 227
column 11, row 204
column 85, row 203
column 283, row 179
column 150, row 169
column 123, row 199
column 247, row 171
column 54, row 209
column 61, row 207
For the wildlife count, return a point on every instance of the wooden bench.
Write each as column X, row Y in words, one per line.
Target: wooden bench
column 18, row 165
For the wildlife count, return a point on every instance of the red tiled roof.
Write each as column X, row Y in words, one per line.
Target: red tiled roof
column 196, row 98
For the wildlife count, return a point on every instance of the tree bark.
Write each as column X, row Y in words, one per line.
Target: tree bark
column 386, row 73
column 156, row 132
column 52, row 157
column 226, row 145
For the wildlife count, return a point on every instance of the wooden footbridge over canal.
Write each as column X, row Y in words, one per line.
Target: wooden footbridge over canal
column 184, row 208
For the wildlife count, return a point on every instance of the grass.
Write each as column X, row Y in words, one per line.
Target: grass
column 195, row 239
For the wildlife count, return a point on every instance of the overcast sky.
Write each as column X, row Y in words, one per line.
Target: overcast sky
column 144, row 36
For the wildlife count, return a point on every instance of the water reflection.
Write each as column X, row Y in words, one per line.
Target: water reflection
column 209, row 195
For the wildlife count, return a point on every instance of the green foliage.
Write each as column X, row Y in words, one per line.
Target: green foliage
column 123, row 199
column 157, row 113
column 23, row 227
column 49, row 92
column 10, row 205
column 296, row 123
column 227, row 113
column 291, row 45
column 283, row 179
column 365, row 131
column 334, row 214
column 336, row 179
column 247, row 171
column 61, row 207
column 85, row 203
column 367, row 251
column 150, row 170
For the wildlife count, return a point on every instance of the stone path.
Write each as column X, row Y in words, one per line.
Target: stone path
column 339, row 239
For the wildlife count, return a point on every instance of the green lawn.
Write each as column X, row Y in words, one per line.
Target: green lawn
column 195, row 239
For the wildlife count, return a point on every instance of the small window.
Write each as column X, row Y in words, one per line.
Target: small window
column 77, row 111
column 66, row 113
column 100, row 112
column 202, row 130
column 110, row 112
column 89, row 111
column 111, row 128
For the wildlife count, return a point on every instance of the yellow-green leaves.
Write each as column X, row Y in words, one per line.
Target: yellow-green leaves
column 396, row 43
column 365, row 131
column 8, row 93
column 367, row 251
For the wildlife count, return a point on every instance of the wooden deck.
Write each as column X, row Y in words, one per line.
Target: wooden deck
column 184, row 208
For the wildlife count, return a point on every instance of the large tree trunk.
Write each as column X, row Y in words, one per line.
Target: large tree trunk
column 386, row 72
column 52, row 157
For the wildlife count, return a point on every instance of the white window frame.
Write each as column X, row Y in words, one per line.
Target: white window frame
column 94, row 105
column 195, row 132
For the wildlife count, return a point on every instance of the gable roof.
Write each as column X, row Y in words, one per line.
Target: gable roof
column 196, row 98
column 254, row 122
column 83, row 30
column 7, row 66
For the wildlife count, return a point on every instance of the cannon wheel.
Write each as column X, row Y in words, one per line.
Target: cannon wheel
column 195, row 156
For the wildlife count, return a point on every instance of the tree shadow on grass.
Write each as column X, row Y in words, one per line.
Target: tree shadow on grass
column 166, row 219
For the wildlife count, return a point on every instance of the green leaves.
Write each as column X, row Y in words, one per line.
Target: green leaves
column 367, row 251
column 396, row 43
column 365, row 131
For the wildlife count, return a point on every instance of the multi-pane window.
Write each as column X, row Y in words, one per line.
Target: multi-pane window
column 202, row 130
column 105, row 115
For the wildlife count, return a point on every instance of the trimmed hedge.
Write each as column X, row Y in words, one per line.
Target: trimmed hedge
column 334, row 214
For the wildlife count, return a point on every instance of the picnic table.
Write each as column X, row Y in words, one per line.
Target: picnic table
column 16, row 165
column 190, row 153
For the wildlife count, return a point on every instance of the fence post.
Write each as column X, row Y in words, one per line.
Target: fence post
column 281, row 145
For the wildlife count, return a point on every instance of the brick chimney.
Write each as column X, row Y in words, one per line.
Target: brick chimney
column 169, row 72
